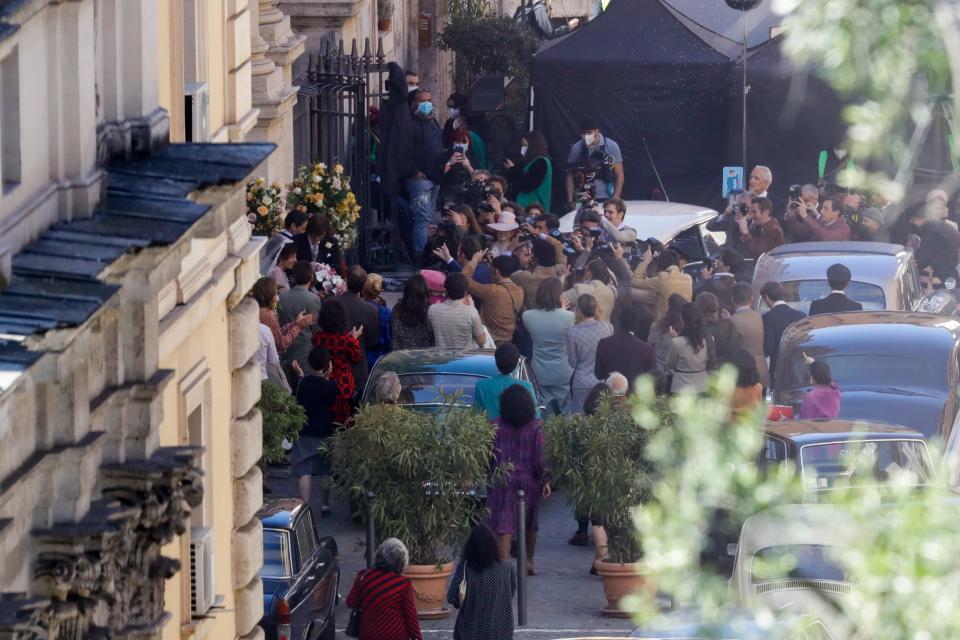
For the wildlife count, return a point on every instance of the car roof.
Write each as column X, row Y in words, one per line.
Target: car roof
column 478, row 362
column 655, row 219
column 795, row 524
column 823, row 430
column 890, row 332
column 871, row 262
column 845, row 248
column 281, row 513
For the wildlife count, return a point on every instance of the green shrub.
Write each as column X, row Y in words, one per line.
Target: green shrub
column 283, row 417
column 420, row 467
column 600, row 462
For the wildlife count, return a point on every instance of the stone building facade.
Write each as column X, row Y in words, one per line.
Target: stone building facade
column 127, row 387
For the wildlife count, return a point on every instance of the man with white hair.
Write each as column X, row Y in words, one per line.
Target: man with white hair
column 618, row 385
column 760, row 180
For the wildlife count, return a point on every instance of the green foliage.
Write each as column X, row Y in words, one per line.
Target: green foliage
column 420, row 467
column 283, row 417
column 485, row 43
column 890, row 55
column 904, row 565
column 601, row 464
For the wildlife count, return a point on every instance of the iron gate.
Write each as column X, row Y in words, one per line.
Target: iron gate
column 331, row 125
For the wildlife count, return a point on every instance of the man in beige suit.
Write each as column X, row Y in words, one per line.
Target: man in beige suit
column 668, row 281
column 599, row 285
column 750, row 325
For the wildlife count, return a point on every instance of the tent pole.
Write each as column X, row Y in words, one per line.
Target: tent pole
column 745, row 90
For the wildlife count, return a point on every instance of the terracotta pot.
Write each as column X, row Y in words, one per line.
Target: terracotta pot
column 384, row 24
column 430, row 589
column 620, row 580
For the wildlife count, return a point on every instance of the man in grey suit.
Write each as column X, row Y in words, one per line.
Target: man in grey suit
column 294, row 301
column 363, row 313
column 750, row 325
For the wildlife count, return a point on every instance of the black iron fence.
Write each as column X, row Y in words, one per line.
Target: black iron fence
column 331, row 125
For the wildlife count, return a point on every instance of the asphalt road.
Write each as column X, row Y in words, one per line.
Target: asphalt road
column 564, row 600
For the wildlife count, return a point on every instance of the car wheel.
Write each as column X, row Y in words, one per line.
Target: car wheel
column 330, row 629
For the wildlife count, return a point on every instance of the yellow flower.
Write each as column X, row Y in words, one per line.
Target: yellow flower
column 276, row 186
column 338, row 168
column 261, row 182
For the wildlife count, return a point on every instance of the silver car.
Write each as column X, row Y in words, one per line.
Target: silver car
column 885, row 276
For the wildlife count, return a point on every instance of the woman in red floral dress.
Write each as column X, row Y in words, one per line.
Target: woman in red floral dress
column 344, row 349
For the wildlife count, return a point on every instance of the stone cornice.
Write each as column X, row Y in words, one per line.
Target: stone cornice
column 319, row 14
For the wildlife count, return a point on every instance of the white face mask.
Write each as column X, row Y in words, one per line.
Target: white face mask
column 523, row 149
column 412, row 87
column 454, row 112
column 589, row 139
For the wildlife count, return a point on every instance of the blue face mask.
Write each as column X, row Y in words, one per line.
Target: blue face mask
column 425, row 109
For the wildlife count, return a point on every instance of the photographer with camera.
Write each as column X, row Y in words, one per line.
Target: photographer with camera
column 828, row 225
column 594, row 165
column 544, row 266
column 668, row 281
column 717, row 277
column 599, row 284
column 866, row 223
column 758, row 232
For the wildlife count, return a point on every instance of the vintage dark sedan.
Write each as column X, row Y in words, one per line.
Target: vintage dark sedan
column 426, row 375
column 828, row 453
column 885, row 276
column 300, row 574
column 893, row 367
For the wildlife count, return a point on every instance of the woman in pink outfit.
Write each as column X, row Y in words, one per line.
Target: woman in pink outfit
column 823, row 401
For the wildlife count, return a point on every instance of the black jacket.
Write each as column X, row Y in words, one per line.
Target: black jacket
column 426, row 139
column 834, row 303
column 327, row 255
column 939, row 247
column 722, row 287
column 775, row 322
column 624, row 353
column 395, row 154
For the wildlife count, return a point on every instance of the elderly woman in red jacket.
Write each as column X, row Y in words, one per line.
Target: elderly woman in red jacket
column 385, row 597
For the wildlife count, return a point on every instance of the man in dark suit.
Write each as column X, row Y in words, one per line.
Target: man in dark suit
column 623, row 352
column 363, row 313
column 292, row 303
column 838, row 277
column 776, row 321
column 720, row 280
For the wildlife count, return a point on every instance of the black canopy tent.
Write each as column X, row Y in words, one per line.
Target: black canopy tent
column 646, row 77
column 792, row 115
column 646, row 71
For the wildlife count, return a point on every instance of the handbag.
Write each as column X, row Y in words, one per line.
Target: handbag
column 463, row 587
column 353, row 625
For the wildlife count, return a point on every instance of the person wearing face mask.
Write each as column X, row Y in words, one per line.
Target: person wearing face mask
column 531, row 178
column 594, row 153
column 459, row 117
column 457, row 167
column 426, row 146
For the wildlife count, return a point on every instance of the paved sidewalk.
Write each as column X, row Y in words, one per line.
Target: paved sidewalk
column 564, row 600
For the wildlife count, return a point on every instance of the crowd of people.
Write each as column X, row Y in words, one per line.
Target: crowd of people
column 592, row 311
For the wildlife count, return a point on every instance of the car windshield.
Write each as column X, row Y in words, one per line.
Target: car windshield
column 276, row 555
column 796, row 562
column 429, row 388
column 873, row 461
column 800, row 293
column 872, row 370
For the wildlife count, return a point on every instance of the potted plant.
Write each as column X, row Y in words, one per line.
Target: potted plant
column 384, row 15
column 599, row 462
column 422, row 469
column 282, row 419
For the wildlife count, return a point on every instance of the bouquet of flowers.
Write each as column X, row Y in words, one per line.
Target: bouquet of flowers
column 329, row 281
column 316, row 189
column 264, row 207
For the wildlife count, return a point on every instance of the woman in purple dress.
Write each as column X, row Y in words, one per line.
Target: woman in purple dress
column 519, row 443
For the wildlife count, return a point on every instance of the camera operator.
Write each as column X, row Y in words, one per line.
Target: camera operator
column 469, row 247
column 597, row 155
column 806, row 223
column 726, row 221
column 718, row 277
column 546, row 227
